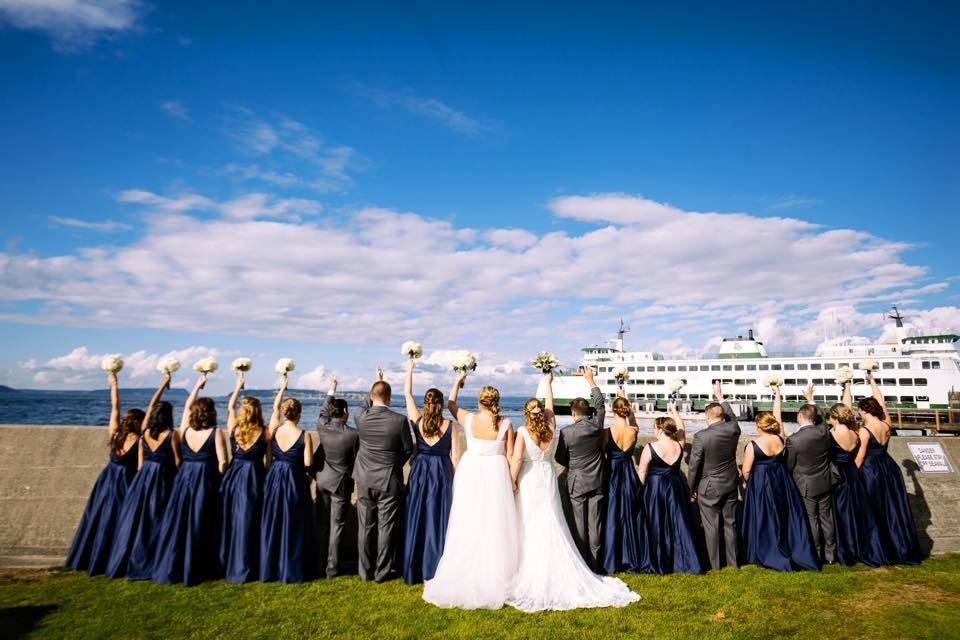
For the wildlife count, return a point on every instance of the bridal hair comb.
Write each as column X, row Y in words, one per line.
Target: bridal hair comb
column 535, row 410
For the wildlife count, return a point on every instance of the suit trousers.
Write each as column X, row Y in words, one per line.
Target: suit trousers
column 820, row 514
column 588, row 513
column 719, row 518
column 378, row 518
column 332, row 508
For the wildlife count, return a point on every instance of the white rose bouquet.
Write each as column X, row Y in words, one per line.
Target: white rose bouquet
column 546, row 362
column 284, row 366
column 241, row 365
column 621, row 375
column 111, row 364
column 844, row 375
column 168, row 364
column 411, row 349
column 676, row 384
column 774, row 381
column 466, row 362
column 869, row 365
column 206, row 365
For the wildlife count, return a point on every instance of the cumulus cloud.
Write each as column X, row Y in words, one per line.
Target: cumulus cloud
column 380, row 276
column 73, row 24
column 316, row 378
column 81, row 367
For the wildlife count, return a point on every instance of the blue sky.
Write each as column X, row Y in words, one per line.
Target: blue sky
column 325, row 182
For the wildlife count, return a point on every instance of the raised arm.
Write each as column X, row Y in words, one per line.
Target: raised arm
column 185, row 419
column 326, row 411
column 114, row 423
column 157, row 395
column 275, row 415
column 847, row 397
column 232, row 405
column 878, row 395
column 778, row 407
column 548, row 400
column 413, row 413
column 808, row 393
column 675, row 414
column 599, row 407
column 460, row 415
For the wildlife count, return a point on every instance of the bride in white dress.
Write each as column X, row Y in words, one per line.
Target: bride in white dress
column 552, row 575
column 479, row 553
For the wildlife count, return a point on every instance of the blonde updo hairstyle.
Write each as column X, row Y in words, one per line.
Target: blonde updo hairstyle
column 844, row 415
column 622, row 408
column 489, row 399
column 290, row 409
column 536, row 417
column 249, row 422
column 766, row 423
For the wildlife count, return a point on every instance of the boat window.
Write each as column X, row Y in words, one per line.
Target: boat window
column 920, row 382
column 844, row 364
column 903, row 365
column 906, row 398
column 682, row 368
column 659, row 382
column 819, row 398
column 792, row 398
column 671, row 368
column 819, row 381
column 889, row 398
column 703, row 367
column 906, row 382
column 739, row 381
column 829, row 365
column 789, row 367
column 764, row 367
column 923, row 399
column 752, row 397
column 738, row 367
column 859, row 381
column 790, row 381
column 660, row 396
column 815, row 366
column 802, row 381
column 888, row 365
column 715, row 367
column 651, row 368
column 775, row 367
column 751, row 367
column 925, row 364
column 935, row 364
column 889, row 381
column 631, row 368
column 727, row 367
column 661, row 368
column 751, row 382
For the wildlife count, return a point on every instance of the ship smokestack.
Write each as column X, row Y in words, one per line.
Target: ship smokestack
column 750, row 334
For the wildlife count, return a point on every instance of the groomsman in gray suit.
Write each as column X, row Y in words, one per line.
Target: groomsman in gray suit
column 385, row 446
column 580, row 450
column 336, row 451
column 714, row 478
column 808, row 458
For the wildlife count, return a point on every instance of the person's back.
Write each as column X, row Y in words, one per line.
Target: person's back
column 384, row 446
column 808, row 457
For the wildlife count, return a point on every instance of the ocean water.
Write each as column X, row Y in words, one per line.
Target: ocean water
column 92, row 408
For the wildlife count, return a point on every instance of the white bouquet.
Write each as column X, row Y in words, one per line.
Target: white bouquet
column 284, row 366
column 168, row 364
column 844, row 375
column 773, row 381
column 241, row 365
column 466, row 362
column 546, row 362
column 206, row 365
column 621, row 375
column 869, row 365
column 111, row 364
column 411, row 349
column 676, row 384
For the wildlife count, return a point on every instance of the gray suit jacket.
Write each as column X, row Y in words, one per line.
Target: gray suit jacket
column 336, row 451
column 385, row 445
column 712, row 467
column 808, row 458
column 580, row 450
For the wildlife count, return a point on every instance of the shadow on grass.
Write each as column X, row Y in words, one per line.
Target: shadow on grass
column 18, row 622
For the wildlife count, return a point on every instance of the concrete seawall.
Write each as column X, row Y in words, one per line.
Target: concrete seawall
column 46, row 473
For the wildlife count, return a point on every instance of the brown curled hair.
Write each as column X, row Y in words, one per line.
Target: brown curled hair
column 203, row 414
column 130, row 423
column 291, row 409
column 622, row 408
column 537, row 424
column 489, row 399
column 431, row 418
column 667, row 425
column 249, row 422
column 871, row 406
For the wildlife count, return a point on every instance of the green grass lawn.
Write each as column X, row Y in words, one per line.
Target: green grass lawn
column 898, row 602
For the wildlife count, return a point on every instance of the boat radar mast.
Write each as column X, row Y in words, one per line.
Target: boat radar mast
column 897, row 317
column 622, row 330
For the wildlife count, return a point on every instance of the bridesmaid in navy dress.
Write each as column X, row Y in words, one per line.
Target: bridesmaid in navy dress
column 241, row 490
column 286, row 528
column 90, row 550
column 625, row 546
column 775, row 529
column 885, row 487
column 666, row 499
column 159, row 456
column 430, row 485
column 187, row 549
column 858, row 538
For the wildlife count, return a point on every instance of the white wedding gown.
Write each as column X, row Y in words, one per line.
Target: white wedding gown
column 552, row 575
column 479, row 553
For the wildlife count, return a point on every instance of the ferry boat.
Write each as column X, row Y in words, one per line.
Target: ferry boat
column 915, row 372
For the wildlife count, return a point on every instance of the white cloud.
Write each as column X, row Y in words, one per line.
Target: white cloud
column 80, row 367
column 176, row 110
column 382, row 276
column 794, row 201
column 106, row 226
column 73, row 24
column 429, row 108
column 317, row 378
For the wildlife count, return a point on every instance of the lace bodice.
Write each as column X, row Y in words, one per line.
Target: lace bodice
column 532, row 452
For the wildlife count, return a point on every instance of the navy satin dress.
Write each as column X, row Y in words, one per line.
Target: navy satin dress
column 888, row 497
column 858, row 538
column 666, row 499
column 429, row 494
column 286, row 528
column 241, row 494
column 625, row 546
column 775, row 530
column 93, row 540
column 135, row 539
column 187, row 549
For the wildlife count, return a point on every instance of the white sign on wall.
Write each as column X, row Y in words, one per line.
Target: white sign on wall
column 930, row 457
